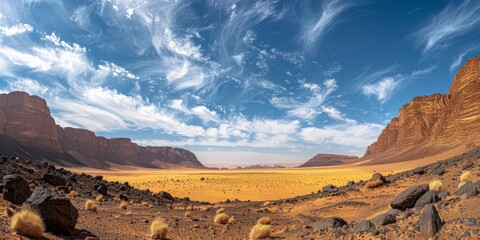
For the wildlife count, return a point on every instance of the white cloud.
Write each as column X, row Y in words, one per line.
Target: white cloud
column 26, row 85
column 15, row 29
column 382, row 89
column 333, row 113
column 316, row 27
column 455, row 20
column 116, row 71
column 202, row 112
column 239, row 58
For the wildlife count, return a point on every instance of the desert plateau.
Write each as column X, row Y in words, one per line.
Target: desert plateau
column 239, row 120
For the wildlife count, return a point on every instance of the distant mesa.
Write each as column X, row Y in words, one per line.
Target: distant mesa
column 329, row 160
column 29, row 131
column 258, row 166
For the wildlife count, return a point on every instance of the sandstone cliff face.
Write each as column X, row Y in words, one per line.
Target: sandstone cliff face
column 436, row 121
column 31, row 132
column 329, row 160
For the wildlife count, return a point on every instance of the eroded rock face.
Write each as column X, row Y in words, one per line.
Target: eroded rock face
column 329, row 160
column 26, row 124
column 437, row 120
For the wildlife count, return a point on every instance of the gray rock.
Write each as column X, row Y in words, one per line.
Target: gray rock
column 468, row 188
column 378, row 176
column 439, row 171
column 58, row 213
column 330, row 188
column 53, row 179
column 165, row 195
column 101, row 188
column 333, row 222
column 364, row 227
column 394, row 212
column 15, row 189
column 465, row 235
column 384, row 219
column 429, row 197
column 409, row 197
column 429, row 222
column 443, row 194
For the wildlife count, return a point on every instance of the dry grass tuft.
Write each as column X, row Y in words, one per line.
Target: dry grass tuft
column 232, row 220
column 145, row 204
column 72, row 194
column 374, row 184
column 190, row 208
column 221, row 210
column 221, row 218
column 436, row 185
column 99, row 198
column 260, row 231
column 158, row 229
column 465, row 176
column 117, row 199
column 267, row 204
column 91, row 206
column 205, row 208
column 187, row 214
column 123, row 205
column 28, row 222
column 264, row 221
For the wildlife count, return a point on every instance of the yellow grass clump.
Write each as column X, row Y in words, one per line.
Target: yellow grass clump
column 28, row 222
column 436, row 185
column 91, row 206
column 221, row 218
column 72, row 194
column 220, row 210
column 145, row 204
column 190, row 208
column 267, row 204
column 123, row 205
column 117, row 199
column 374, row 184
column 465, row 176
column 261, row 230
column 158, row 229
column 99, row 198
column 187, row 214
column 204, row 208
column 232, row 220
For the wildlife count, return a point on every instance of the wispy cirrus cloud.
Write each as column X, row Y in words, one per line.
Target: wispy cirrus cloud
column 458, row 18
column 315, row 27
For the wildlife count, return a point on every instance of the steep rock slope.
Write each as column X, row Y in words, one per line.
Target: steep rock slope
column 27, row 129
column 329, row 160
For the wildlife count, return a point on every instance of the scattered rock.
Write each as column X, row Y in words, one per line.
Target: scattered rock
column 53, row 179
column 468, row 188
column 465, row 235
column 165, row 195
column 364, row 227
column 384, row 219
column 101, row 188
column 394, row 212
column 429, row 222
column 333, row 222
column 409, row 197
column 15, row 189
column 439, row 171
column 58, row 213
column 330, row 188
column 429, row 197
column 444, row 194
column 100, row 178
column 378, row 176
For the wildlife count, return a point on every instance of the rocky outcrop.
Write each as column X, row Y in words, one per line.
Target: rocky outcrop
column 329, row 160
column 28, row 130
column 431, row 124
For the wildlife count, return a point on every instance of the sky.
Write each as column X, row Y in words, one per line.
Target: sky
column 236, row 82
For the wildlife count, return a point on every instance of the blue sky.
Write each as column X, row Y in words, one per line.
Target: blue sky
column 236, row 82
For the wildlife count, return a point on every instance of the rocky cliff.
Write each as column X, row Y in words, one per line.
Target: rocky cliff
column 329, row 160
column 432, row 124
column 28, row 130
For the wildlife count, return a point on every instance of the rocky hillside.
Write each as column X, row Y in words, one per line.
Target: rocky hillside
column 28, row 130
column 329, row 160
column 432, row 124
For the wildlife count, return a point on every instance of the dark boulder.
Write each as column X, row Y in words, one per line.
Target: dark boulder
column 468, row 188
column 58, row 213
column 101, row 188
column 429, row 197
column 384, row 219
column 15, row 189
column 165, row 195
column 364, row 227
column 100, row 178
column 409, row 197
column 439, row 171
column 378, row 176
column 53, row 179
column 330, row 188
column 443, row 194
column 429, row 222
column 333, row 222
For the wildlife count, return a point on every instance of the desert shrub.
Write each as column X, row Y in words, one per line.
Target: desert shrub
column 232, row 220
column 187, row 214
column 117, row 199
column 436, row 185
column 205, row 208
column 267, row 204
column 99, row 198
column 373, row 184
column 221, row 218
column 465, row 176
column 72, row 194
column 28, row 222
column 145, row 204
column 158, row 229
column 190, row 208
column 260, row 231
column 220, row 210
column 90, row 206
column 123, row 205
column 264, row 221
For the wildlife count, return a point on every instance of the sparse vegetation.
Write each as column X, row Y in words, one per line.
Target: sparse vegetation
column 100, row 198
column 465, row 177
column 123, row 205
column 145, row 204
column 220, row 210
column 72, row 194
column 232, row 220
column 28, row 222
column 264, row 221
column 436, row 185
column 90, row 206
column 159, row 229
column 117, row 199
column 221, row 218
column 267, row 204
column 187, row 214
column 262, row 229
column 373, row 184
